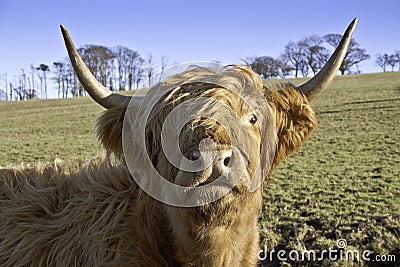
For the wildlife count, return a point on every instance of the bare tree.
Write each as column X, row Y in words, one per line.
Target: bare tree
column 295, row 53
column 284, row 66
column 265, row 66
column 119, row 68
column 354, row 54
column 121, row 59
column 4, row 78
column 34, row 72
column 164, row 64
column 59, row 72
column 11, row 91
column 136, row 71
column 126, row 61
column 316, row 55
column 382, row 61
column 44, row 69
column 22, row 89
column 70, row 80
column 139, row 72
column 150, row 68
column 303, row 68
column 99, row 60
column 397, row 55
column 391, row 60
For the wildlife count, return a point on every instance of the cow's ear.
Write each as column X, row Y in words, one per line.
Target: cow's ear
column 109, row 129
column 294, row 119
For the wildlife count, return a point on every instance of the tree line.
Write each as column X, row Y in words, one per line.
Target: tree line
column 118, row 68
column 24, row 85
column 386, row 60
column 121, row 68
column 306, row 56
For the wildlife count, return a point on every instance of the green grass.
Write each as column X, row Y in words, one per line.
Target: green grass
column 345, row 180
column 42, row 130
column 343, row 183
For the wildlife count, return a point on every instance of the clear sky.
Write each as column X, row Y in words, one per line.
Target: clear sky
column 201, row 30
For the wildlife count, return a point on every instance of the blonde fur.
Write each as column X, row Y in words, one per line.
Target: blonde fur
column 98, row 216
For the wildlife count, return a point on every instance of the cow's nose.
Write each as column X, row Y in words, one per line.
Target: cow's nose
column 195, row 154
column 224, row 159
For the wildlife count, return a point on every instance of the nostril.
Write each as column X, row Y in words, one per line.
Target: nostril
column 195, row 155
column 226, row 161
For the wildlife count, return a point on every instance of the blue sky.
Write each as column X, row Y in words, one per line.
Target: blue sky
column 225, row 31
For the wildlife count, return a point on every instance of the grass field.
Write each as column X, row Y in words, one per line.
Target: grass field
column 344, row 183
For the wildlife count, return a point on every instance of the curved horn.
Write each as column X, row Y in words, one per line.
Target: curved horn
column 320, row 81
column 96, row 90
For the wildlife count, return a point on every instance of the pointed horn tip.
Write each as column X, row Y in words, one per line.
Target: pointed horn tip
column 96, row 90
column 64, row 32
column 320, row 81
column 63, row 29
column 351, row 27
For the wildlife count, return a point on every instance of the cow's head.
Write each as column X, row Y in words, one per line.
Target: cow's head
column 206, row 133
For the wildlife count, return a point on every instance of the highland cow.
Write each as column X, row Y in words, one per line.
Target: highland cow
column 195, row 203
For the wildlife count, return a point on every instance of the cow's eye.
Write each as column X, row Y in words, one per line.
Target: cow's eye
column 253, row 119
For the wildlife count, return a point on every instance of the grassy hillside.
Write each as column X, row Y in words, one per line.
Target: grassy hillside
column 42, row 130
column 344, row 183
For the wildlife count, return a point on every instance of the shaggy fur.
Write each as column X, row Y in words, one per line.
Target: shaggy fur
column 98, row 216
